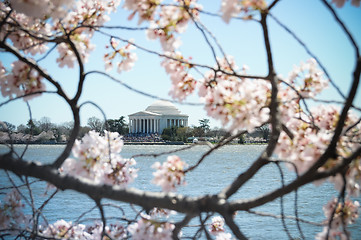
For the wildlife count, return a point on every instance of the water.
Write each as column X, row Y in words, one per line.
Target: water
column 217, row 171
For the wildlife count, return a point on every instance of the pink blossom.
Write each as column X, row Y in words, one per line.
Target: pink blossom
column 40, row 8
column 171, row 21
column 342, row 214
column 217, row 225
column 11, row 211
column 67, row 230
column 183, row 83
column 145, row 9
column 341, row 3
column 21, row 81
column 238, row 103
column 148, row 228
column 170, row 174
column 254, row 4
column 229, row 9
column 311, row 134
column 332, row 234
column 307, row 79
column 128, row 57
column 95, row 161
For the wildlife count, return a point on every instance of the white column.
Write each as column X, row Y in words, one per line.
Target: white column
column 158, row 122
column 134, row 122
column 130, row 126
column 156, row 125
column 136, row 125
column 148, row 125
column 143, row 124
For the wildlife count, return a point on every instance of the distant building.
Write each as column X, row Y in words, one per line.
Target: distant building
column 156, row 117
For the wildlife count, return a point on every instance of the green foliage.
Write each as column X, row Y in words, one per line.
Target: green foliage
column 117, row 125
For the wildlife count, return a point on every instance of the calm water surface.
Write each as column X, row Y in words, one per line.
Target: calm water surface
column 217, row 171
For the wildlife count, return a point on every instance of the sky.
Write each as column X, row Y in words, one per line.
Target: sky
column 308, row 19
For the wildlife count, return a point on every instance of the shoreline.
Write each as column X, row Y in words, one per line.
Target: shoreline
column 125, row 143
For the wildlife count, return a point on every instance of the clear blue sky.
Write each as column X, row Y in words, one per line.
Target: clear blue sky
column 243, row 40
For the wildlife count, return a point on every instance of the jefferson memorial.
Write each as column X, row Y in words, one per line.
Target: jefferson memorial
column 156, row 117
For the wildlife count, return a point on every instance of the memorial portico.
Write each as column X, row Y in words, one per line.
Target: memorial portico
column 156, row 117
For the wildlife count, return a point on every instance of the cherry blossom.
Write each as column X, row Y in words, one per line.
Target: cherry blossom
column 229, row 9
column 88, row 13
column 172, row 20
column 217, row 225
column 40, row 8
column 341, row 3
column 128, row 58
column 183, row 83
column 97, row 159
column 145, row 9
column 114, row 231
column 25, row 33
column 307, row 79
column 170, row 174
column 342, row 214
column 160, row 213
column 238, row 103
column 253, row 4
column 68, row 230
column 11, row 211
column 65, row 230
column 148, row 228
column 21, row 81
column 232, row 8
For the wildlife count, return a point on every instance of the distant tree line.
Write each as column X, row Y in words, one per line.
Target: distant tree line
column 44, row 130
column 47, row 131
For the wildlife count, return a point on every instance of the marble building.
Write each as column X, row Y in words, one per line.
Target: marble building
column 156, row 117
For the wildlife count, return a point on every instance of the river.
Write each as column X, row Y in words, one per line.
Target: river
column 218, row 170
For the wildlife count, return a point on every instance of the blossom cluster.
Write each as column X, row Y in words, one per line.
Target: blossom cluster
column 83, row 13
column 25, row 32
column 216, row 228
column 171, row 20
column 165, row 20
column 41, row 8
column 149, row 228
column 307, row 79
column 239, row 103
column 170, row 174
column 128, row 57
column 32, row 22
column 97, row 158
column 183, row 83
column 11, row 212
column 232, row 8
column 68, row 230
column 340, row 214
column 340, row 3
column 311, row 135
column 23, row 80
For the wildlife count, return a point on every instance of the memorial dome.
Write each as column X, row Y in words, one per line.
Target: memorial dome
column 163, row 107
